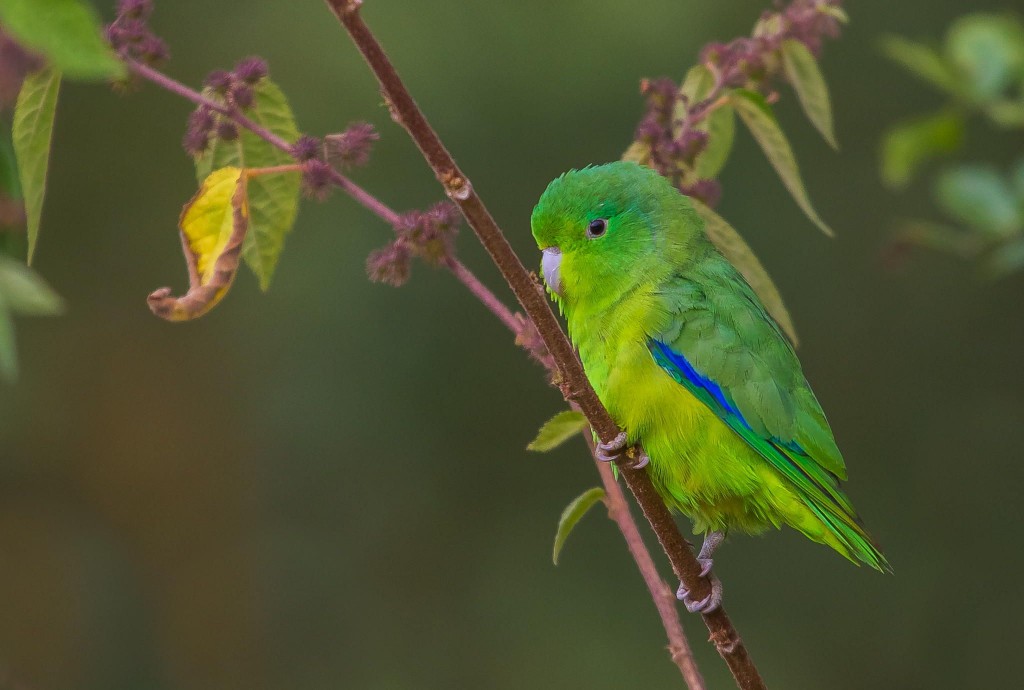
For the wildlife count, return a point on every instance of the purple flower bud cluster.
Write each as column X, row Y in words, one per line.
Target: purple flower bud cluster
column 201, row 125
column 351, row 148
column 666, row 132
column 130, row 36
column 750, row 61
column 316, row 179
column 306, row 148
column 236, row 89
column 429, row 235
column 669, row 153
column 390, row 264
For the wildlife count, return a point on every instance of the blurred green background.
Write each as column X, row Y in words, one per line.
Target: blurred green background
column 325, row 486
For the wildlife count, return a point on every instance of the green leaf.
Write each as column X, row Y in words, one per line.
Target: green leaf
column 988, row 50
column 802, row 71
column 909, row 145
column 572, row 514
column 9, row 184
column 738, row 252
column 720, row 124
column 721, row 128
column 697, row 84
column 32, row 132
column 924, row 62
column 758, row 117
column 558, row 430
column 836, row 12
column 24, row 292
column 1017, row 179
column 273, row 199
column 66, row 32
column 21, row 292
column 981, row 198
column 1005, row 113
column 638, row 152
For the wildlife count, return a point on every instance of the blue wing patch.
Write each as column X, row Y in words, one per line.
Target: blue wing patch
column 664, row 355
column 663, row 351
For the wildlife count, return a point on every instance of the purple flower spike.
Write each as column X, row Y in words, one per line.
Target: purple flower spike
column 352, row 147
column 306, row 148
column 251, row 69
column 389, row 265
column 316, row 179
column 219, row 80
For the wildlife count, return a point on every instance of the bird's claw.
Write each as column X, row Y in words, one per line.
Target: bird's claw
column 641, row 462
column 709, row 603
column 607, row 452
column 706, row 564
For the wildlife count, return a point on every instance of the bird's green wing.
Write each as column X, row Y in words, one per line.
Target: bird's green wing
column 728, row 352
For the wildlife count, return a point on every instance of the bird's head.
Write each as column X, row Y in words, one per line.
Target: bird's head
column 605, row 229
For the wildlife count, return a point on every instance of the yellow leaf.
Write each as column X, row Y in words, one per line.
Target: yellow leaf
column 208, row 219
column 213, row 225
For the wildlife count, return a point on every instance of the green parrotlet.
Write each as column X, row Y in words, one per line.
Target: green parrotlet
column 689, row 363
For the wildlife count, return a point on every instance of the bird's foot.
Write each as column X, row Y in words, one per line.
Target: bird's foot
column 607, row 452
column 709, row 603
column 639, row 462
column 712, row 540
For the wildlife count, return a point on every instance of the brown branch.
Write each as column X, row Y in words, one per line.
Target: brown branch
column 525, row 333
column 571, row 378
column 663, row 596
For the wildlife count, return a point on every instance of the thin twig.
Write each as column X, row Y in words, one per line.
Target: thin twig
column 362, row 196
column 571, row 378
column 663, row 596
column 664, row 600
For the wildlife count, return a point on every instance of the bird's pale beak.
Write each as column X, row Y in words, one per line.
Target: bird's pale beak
column 550, row 264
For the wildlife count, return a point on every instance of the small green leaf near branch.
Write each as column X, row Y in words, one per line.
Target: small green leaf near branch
column 572, row 514
column 558, row 430
column 720, row 123
column 32, row 133
column 757, row 115
column 802, row 72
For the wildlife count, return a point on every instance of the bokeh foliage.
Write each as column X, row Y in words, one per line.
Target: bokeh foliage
column 980, row 71
column 327, row 486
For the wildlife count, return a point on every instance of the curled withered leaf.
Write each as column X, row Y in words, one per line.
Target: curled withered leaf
column 213, row 226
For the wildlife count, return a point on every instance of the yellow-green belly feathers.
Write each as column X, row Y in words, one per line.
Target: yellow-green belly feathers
column 698, row 464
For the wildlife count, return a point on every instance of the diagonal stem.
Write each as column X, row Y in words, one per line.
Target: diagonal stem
column 570, row 376
column 679, row 648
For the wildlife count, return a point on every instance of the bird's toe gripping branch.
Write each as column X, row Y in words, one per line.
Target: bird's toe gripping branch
column 712, row 540
column 608, row 452
column 709, row 603
column 616, row 448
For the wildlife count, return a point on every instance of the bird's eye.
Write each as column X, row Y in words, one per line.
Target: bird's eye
column 597, row 227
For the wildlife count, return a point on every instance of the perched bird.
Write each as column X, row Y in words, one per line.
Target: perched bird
column 689, row 363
